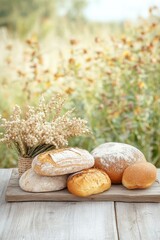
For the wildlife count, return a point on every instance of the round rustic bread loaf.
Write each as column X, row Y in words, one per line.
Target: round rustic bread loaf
column 32, row 182
column 62, row 161
column 114, row 157
column 139, row 175
column 88, row 182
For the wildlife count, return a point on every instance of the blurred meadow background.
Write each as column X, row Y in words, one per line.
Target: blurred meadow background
column 104, row 56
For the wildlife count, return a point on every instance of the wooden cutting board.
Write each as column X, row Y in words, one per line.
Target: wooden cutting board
column 116, row 193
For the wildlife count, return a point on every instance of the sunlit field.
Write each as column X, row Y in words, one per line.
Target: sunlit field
column 111, row 77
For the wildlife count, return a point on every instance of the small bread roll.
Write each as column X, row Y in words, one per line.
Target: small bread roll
column 114, row 157
column 32, row 182
column 139, row 175
column 88, row 182
column 62, row 161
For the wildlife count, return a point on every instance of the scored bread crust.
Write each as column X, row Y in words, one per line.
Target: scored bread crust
column 62, row 161
column 88, row 182
column 139, row 176
column 114, row 157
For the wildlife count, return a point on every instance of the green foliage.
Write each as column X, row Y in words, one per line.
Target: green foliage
column 73, row 9
column 20, row 17
column 24, row 17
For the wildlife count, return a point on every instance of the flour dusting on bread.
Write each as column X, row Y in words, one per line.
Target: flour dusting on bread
column 62, row 161
column 32, row 182
column 117, row 155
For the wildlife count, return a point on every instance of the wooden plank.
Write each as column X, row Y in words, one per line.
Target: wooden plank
column 138, row 221
column 116, row 193
column 58, row 221
column 4, row 179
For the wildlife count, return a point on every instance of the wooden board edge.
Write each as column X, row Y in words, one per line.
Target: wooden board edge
column 11, row 199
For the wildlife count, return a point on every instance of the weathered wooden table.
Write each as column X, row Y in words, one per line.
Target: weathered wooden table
column 76, row 220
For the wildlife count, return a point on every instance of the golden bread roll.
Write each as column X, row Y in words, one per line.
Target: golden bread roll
column 114, row 157
column 88, row 182
column 62, row 161
column 139, row 175
column 32, row 182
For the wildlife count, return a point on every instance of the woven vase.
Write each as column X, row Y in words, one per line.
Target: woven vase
column 24, row 164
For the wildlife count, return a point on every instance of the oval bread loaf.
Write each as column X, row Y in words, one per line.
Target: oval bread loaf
column 32, row 182
column 139, row 175
column 88, row 182
column 62, row 161
column 114, row 157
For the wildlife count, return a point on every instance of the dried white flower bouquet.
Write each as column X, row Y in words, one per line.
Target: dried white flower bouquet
column 41, row 128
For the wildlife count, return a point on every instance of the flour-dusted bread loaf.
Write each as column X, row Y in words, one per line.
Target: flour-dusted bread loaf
column 88, row 182
column 114, row 157
column 62, row 161
column 32, row 182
